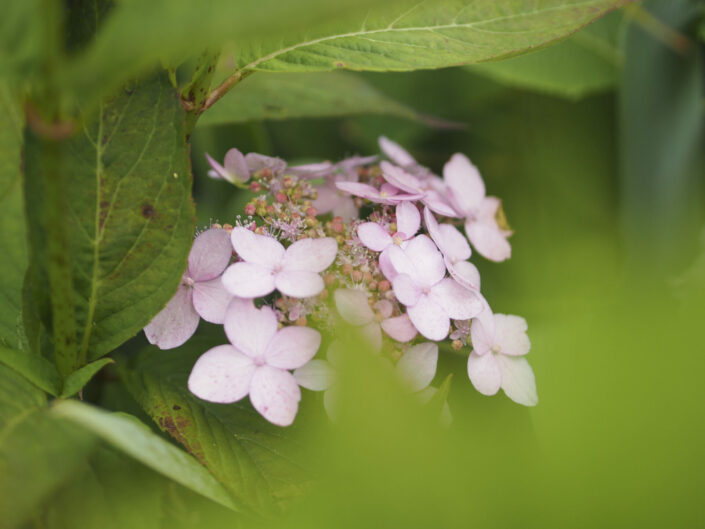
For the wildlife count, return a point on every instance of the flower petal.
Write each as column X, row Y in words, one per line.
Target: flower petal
column 429, row 318
column 385, row 263
column 465, row 273
column 346, row 209
column 457, row 301
column 211, row 300
column 176, row 322
column 248, row 328
column 488, row 239
column 418, row 365
column 482, row 331
column 209, row 255
column 510, row 335
column 484, row 373
column 317, row 375
column 218, row 171
column 395, row 152
column 452, row 244
column 399, row 328
column 374, row 236
column 311, row 255
column 298, row 283
column 327, row 199
column 353, row 307
column 518, row 381
column 400, row 179
column 408, row 219
column 275, row 394
column 292, row 347
column 222, row 374
column 236, row 167
column 257, row 162
column 248, row 280
column 438, row 204
column 427, row 261
column 372, row 334
column 465, row 182
column 258, row 249
column 406, row 290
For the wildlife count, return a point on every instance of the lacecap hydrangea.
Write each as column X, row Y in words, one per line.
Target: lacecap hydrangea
column 383, row 246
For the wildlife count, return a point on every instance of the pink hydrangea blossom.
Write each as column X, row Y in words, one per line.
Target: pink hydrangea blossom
column 429, row 189
column 200, row 294
column 266, row 265
column 480, row 211
column 497, row 360
column 233, row 170
column 257, row 363
column 431, row 298
column 331, row 199
column 376, row 238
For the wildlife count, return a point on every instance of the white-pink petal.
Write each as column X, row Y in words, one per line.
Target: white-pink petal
column 248, row 280
column 255, row 248
column 418, row 365
column 482, row 331
column 372, row 334
column 210, row 254
column 427, row 261
column 457, row 301
column 353, row 307
column 317, row 375
column 488, row 239
column 465, row 273
column 429, row 318
column 465, row 182
column 236, row 167
column 518, row 381
column 400, row 179
column 313, row 255
column 275, row 394
column 222, row 374
column 299, row 283
column 374, row 236
column 211, row 300
column 292, row 347
column 510, row 335
column 406, row 289
column 176, row 322
column 484, row 373
column 248, row 328
column 395, row 152
column 399, row 328
column 408, row 219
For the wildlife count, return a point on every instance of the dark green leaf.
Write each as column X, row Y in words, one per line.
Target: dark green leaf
column 127, row 434
column 284, row 96
column 76, row 380
column 34, row 368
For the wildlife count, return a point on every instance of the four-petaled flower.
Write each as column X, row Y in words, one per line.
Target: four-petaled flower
column 267, row 265
column 200, row 294
column 257, row 363
column 233, row 170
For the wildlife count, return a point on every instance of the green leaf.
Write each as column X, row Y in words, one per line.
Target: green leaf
column 583, row 64
column 285, row 96
column 76, row 380
column 127, row 434
column 261, row 465
column 12, row 232
column 34, row 368
column 38, row 452
column 127, row 213
column 430, row 34
column 21, row 38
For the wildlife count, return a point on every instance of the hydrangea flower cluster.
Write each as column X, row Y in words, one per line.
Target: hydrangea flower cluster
column 376, row 245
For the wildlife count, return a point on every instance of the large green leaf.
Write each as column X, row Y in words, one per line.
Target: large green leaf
column 12, row 233
column 585, row 63
column 284, row 96
column 35, row 368
column 127, row 217
column 261, row 465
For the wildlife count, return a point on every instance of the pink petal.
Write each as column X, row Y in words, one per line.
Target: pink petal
column 248, row 328
column 210, row 254
column 372, row 334
column 346, row 209
column 400, row 179
column 374, row 236
column 256, row 162
column 484, row 373
column 489, row 240
column 275, row 394
column 510, row 335
column 176, row 322
column 406, row 289
column 449, row 240
column 399, row 261
column 385, row 263
column 465, row 273
column 211, row 300
column 292, row 347
column 365, row 191
column 312, row 170
column 408, row 219
column 426, row 259
column 298, row 283
column 236, row 167
column 518, row 380
column 222, row 374
column 327, row 199
column 399, row 328
column 418, row 365
column 438, row 204
column 458, row 302
column 312, row 255
column 482, row 331
column 465, row 182
column 429, row 318
column 395, row 152
column 218, row 171
column 317, row 375
column 353, row 307
column 248, row 280
column 258, row 249
column 384, row 307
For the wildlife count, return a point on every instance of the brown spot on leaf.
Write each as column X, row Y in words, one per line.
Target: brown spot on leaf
column 148, row 211
column 340, row 64
column 176, row 407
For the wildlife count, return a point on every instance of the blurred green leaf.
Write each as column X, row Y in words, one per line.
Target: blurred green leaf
column 585, row 63
column 79, row 378
column 12, row 232
column 127, row 434
column 21, row 38
column 38, row 452
column 34, row 368
column 128, row 216
column 261, row 465
column 284, row 96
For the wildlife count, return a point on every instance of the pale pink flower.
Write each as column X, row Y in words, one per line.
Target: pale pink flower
column 386, row 194
column 497, row 360
column 333, row 200
column 397, row 154
column 257, row 363
column 429, row 189
column 467, row 192
column 233, row 170
column 200, row 294
column 431, row 299
column 376, row 238
column 256, row 162
column 267, row 265
column 455, row 249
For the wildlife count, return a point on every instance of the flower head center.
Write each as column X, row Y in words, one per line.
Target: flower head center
column 259, row 361
column 188, row 281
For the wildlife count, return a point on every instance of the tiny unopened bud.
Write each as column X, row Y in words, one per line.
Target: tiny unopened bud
column 357, row 276
column 287, row 182
column 301, row 322
column 347, row 269
column 216, row 226
column 457, row 345
column 255, row 187
column 329, row 279
column 383, row 285
column 250, row 209
column 280, row 197
column 311, row 212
